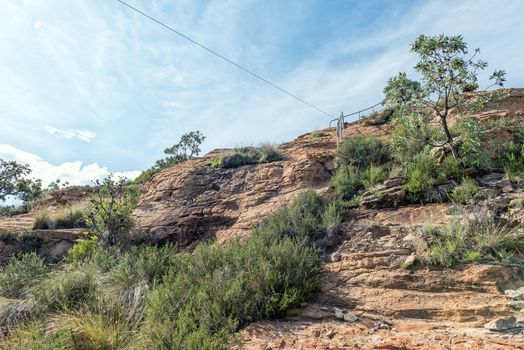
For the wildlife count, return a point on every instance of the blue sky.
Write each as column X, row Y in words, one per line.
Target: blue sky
column 88, row 86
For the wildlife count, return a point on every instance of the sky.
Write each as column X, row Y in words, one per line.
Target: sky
column 89, row 87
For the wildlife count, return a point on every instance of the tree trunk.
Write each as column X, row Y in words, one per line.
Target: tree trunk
column 444, row 122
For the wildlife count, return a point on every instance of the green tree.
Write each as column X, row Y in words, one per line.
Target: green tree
column 111, row 208
column 187, row 148
column 11, row 175
column 447, row 71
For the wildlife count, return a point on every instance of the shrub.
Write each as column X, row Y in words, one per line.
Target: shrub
column 379, row 118
column 465, row 192
column 373, row 175
column 31, row 239
column 14, row 210
column 145, row 176
column 83, row 249
column 362, row 151
column 220, row 288
column 420, row 172
column 301, row 220
column 7, row 236
column 346, row 182
column 21, row 274
column 246, row 156
column 316, row 135
column 111, row 208
column 332, row 217
column 450, row 169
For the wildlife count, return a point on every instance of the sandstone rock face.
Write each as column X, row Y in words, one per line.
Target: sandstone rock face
column 369, row 299
column 193, row 199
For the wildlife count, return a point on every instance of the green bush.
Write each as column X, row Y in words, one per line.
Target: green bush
column 218, row 289
column 362, row 151
column 247, row 156
column 373, row 175
column 14, row 210
column 379, row 118
column 7, row 236
column 346, row 182
column 111, row 208
column 465, row 192
column 31, row 239
column 145, row 176
column 21, row 274
column 301, row 220
column 83, row 249
column 450, row 169
column 419, row 172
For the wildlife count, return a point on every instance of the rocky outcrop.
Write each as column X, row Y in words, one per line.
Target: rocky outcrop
column 194, row 200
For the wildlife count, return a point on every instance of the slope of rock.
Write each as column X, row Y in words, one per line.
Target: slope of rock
column 396, row 307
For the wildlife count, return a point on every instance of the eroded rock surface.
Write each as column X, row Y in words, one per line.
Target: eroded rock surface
column 395, row 306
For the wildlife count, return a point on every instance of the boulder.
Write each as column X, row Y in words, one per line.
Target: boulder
column 502, row 324
column 386, row 195
column 496, row 180
column 516, row 294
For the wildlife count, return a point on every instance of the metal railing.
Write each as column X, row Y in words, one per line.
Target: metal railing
column 359, row 113
column 341, row 123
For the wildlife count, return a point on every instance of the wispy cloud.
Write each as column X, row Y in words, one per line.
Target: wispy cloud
column 76, row 172
column 84, row 135
column 105, row 70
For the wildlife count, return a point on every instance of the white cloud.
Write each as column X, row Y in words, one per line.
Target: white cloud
column 76, row 173
column 84, row 135
column 37, row 25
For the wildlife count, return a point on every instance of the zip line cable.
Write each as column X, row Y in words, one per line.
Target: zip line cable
column 225, row 58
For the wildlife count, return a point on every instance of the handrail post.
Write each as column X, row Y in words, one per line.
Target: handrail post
column 340, row 127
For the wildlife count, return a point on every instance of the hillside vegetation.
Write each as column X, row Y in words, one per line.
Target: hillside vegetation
column 301, row 224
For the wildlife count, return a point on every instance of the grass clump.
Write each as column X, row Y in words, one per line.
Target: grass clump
column 513, row 157
column 246, row 156
column 373, row 175
column 70, row 217
column 21, row 274
column 66, row 289
column 478, row 238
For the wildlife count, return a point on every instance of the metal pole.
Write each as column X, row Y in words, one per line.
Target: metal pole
column 340, row 127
